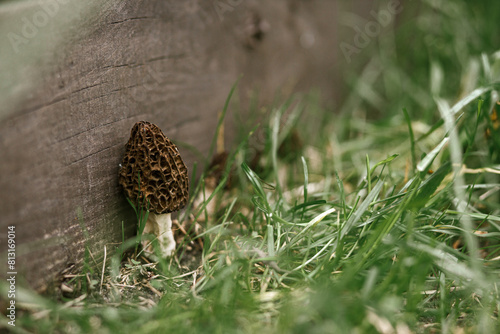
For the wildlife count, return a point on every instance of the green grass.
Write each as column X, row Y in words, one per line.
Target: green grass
column 335, row 221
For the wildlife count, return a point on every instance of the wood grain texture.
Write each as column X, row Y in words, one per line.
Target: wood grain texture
column 71, row 93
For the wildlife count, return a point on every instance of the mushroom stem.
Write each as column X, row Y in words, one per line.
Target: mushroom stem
column 160, row 225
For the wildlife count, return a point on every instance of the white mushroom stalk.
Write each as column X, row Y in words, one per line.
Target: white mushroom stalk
column 153, row 172
column 159, row 225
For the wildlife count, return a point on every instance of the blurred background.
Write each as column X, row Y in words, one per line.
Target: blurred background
column 75, row 76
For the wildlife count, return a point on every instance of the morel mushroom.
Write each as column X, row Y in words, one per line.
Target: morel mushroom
column 154, row 176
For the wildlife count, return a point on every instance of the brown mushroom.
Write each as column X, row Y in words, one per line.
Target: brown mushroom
column 154, row 176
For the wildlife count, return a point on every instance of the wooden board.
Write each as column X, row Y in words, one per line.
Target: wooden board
column 72, row 87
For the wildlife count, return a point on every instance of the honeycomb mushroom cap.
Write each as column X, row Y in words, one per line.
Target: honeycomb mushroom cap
column 164, row 182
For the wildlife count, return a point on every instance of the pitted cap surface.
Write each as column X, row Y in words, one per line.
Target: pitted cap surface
column 154, row 160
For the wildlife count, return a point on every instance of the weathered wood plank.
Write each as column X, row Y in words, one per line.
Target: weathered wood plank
column 71, row 92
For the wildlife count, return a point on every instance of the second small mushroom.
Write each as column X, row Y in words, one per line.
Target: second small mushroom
column 153, row 175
